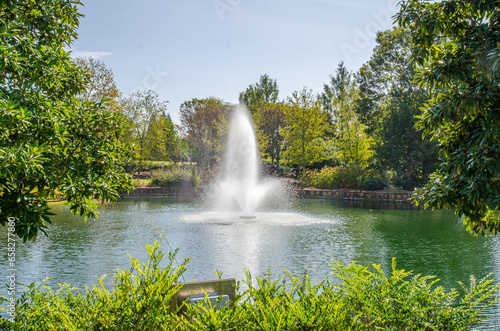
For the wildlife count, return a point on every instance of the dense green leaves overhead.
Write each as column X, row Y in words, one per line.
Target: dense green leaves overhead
column 52, row 142
column 456, row 46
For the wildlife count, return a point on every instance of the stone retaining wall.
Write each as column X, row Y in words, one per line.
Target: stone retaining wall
column 354, row 194
column 301, row 192
column 180, row 191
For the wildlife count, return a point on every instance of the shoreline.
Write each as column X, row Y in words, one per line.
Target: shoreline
column 346, row 194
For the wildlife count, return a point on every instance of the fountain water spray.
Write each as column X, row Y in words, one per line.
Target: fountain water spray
column 239, row 188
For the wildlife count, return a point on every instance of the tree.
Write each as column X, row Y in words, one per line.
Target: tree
column 205, row 123
column 305, row 125
column 389, row 103
column 262, row 101
column 456, row 46
column 161, row 138
column 270, row 120
column 264, row 92
column 52, row 142
column 163, row 141
column 144, row 109
column 100, row 83
column 352, row 144
column 399, row 145
column 171, row 138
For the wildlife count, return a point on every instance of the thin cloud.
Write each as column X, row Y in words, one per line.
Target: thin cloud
column 92, row 54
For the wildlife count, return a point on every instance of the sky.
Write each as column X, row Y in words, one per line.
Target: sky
column 217, row 48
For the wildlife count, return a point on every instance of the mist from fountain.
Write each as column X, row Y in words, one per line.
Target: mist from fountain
column 240, row 187
column 241, row 194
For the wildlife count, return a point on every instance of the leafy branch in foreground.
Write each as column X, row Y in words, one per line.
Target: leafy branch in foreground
column 456, row 48
column 52, row 141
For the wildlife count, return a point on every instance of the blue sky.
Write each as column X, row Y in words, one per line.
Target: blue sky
column 201, row 48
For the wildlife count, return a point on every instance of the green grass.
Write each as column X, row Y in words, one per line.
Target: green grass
column 138, row 182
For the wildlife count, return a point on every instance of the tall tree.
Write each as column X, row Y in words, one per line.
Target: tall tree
column 305, row 125
column 205, row 123
column 100, row 84
column 161, row 138
column 264, row 92
column 270, row 121
column 339, row 98
column 262, row 101
column 52, row 142
column 399, row 145
column 144, row 109
column 456, row 46
column 389, row 103
column 171, row 138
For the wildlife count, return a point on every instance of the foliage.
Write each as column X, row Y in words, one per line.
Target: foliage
column 268, row 115
column 375, row 301
column 405, row 184
column 456, row 46
column 205, row 124
column 264, row 92
column 351, row 177
column 305, row 124
column 146, row 115
column 163, row 141
column 400, row 147
column 365, row 300
column 140, row 300
column 270, row 121
column 389, row 102
column 286, row 172
column 52, row 142
column 178, row 176
column 100, row 83
column 352, row 144
column 373, row 183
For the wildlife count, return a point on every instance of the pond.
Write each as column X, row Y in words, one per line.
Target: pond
column 318, row 231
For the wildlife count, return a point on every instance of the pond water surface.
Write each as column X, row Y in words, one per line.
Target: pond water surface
column 308, row 238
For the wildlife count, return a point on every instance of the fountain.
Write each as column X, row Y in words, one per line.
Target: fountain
column 239, row 187
column 240, row 194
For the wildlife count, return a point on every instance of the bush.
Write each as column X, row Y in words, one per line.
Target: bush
column 397, row 302
column 374, row 184
column 175, row 177
column 286, row 172
column 140, row 300
column 405, row 184
column 366, row 299
column 350, row 176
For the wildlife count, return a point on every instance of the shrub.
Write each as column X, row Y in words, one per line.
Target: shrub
column 397, row 302
column 175, row 177
column 374, row 184
column 367, row 299
column 405, row 184
column 286, row 172
column 350, row 176
column 140, row 300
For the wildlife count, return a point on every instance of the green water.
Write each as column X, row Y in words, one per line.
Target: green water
column 308, row 237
